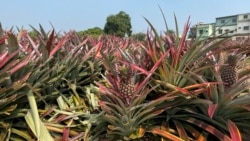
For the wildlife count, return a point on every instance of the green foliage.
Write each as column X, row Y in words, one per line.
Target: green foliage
column 139, row 36
column 33, row 34
column 96, row 31
column 118, row 25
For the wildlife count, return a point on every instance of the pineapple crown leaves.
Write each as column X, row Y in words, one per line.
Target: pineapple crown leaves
column 126, row 120
column 47, row 43
column 232, row 59
column 181, row 58
column 119, row 72
column 132, row 113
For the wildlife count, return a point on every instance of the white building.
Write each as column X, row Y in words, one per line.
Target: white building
column 237, row 26
column 226, row 26
column 243, row 24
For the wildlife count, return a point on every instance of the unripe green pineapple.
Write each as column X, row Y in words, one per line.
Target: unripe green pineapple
column 229, row 72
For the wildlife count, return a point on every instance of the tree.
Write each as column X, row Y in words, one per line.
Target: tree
column 139, row 36
column 119, row 24
column 95, row 31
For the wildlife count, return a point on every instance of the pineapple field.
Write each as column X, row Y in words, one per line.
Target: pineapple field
column 67, row 87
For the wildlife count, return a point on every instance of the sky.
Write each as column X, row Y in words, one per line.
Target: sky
column 79, row 15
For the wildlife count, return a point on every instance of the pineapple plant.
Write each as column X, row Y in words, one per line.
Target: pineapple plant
column 229, row 71
column 54, row 79
column 146, row 91
column 129, row 116
column 211, row 112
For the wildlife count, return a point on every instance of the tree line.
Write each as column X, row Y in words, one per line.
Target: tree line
column 117, row 25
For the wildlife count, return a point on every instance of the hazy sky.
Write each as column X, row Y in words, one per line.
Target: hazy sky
column 79, row 15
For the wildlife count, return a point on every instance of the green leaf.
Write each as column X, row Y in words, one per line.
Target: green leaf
column 12, row 43
column 22, row 134
column 35, row 120
column 43, row 132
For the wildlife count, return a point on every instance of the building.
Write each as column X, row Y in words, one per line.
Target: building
column 226, row 26
column 243, row 25
column 236, row 26
column 204, row 31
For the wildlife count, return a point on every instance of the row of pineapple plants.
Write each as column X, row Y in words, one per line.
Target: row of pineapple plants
column 46, row 86
column 66, row 87
column 176, row 90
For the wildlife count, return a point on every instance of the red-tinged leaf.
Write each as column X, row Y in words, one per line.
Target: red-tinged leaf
column 165, row 134
column 3, row 55
column 105, row 90
column 133, row 66
column 156, row 65
column 181, row 130
column 50, row 42
column 104, row 107
column 60, row 118
column 58, row 46
column 78, row 136
column 6, row 58
column 65, row 134
column 19, row 66
column 201, row 85
column 192, row 130
column 34, row 46
column 99, row 47
column 48, row 112
column 202, row 137
column 209, row 128
column 183, row 40
column 140, row 133
column 101, row 103
column 234, row 131
column 246, row 107
column 2, row 39
column 182, row 90
column 24, row 78
column 83, row 42
column 211, row 110
column 198, row 91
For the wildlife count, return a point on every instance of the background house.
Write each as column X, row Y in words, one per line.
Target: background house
column 243, row 25
column 204, row 31
column 226, row 26
column 235, row 26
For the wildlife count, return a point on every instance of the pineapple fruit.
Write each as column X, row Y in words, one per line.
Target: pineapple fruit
column 127, row 89
column 229, row 71
column 127, row 86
